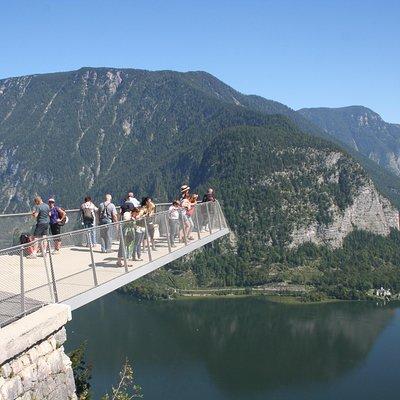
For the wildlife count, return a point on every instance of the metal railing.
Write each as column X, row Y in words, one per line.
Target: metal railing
column 13, row 225
column 35, row 274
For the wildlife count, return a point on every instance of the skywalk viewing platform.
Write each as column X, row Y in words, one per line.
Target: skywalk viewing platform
column 81, row 273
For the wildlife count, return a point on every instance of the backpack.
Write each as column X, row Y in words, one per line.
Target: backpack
column 65, row 219
column 26, row 238
column 87, row 214
column 104, row 215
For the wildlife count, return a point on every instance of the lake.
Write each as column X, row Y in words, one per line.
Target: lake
column 242, row 348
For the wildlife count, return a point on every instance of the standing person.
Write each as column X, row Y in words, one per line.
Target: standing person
column 186, row 209
column 126, row 207
column 132, row 199
column 208, row 197
column 128, row 233
column 57, row 214
column 193, row 202
column 42, row 214
column 148, row 210
column 137, row 215
column 88, row 211
column 107, row 215
column 173, row 219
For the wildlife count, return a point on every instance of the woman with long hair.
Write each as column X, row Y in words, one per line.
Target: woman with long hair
column 148, row 208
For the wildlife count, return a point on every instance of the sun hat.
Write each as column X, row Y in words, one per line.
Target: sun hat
column 51, row 200
column 185, row 188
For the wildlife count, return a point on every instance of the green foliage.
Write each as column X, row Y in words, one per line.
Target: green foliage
column 145, row 290
column 125, row 389
column 82, row 372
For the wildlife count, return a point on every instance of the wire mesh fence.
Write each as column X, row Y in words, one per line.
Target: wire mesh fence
column 57, row 268
column 12, row 226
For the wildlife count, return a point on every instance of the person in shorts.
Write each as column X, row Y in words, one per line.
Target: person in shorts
column 41, row 212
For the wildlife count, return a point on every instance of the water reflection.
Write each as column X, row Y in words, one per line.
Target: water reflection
column 245, row 346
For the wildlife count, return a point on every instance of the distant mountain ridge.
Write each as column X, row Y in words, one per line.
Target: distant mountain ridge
column 362, row 129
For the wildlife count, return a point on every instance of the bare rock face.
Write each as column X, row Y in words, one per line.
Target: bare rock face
column 370, row 211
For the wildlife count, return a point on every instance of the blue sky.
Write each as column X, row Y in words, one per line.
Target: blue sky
column 301, row 53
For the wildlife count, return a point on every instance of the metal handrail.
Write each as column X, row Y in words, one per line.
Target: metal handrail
column 77, row 231
column 3, row 217
column 71, row 210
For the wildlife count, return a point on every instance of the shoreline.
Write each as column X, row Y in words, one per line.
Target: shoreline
column 283, row 292
column 275, row 298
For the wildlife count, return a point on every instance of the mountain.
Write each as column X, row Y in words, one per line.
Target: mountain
column 387, row 181
column 361, row 129
column 216, row 88
column 299, row 189
column 104, row 130
column 68, row 133
column 291, row 197
column 76, row 131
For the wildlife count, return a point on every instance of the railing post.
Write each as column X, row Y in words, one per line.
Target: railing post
column 196, row 216
column 218, row 211
column 223, row 221
column 183, row 228
column 22, row 282
column 167, row 232
column 90, row 244
column 208, row 217
column 147, row 238
column 46, row 269
column 53, row 278
column 122, row 243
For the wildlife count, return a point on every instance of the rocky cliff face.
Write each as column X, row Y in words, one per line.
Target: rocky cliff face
column 369, row 211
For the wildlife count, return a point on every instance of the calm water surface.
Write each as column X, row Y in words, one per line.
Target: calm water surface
column 247, row 348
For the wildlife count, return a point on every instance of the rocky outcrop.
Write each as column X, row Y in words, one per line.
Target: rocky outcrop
column 369, row 211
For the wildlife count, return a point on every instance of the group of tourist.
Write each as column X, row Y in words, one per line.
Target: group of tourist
column 137, row 232
column 48, row 217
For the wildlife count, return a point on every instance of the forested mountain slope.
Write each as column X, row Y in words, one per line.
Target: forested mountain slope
column 301, row 212
column 103, row 130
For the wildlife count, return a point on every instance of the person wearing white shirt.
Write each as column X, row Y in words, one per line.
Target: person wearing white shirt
column 132, row 199
column 173, row 217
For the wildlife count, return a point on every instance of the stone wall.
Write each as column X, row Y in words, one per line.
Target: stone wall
column 33, row 364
